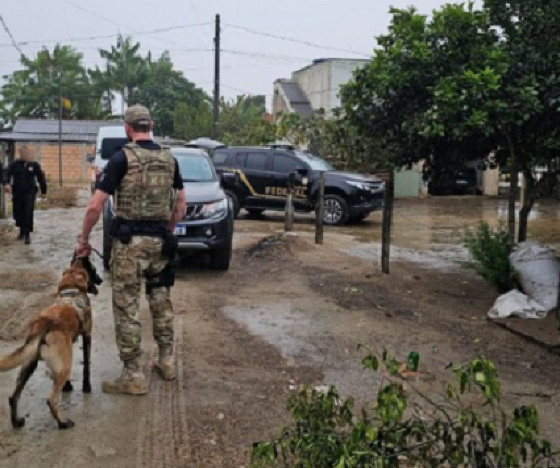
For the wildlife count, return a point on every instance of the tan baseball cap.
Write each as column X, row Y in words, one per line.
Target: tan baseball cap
column 138, row 115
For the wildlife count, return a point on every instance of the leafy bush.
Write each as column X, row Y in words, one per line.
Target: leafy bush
column 465, row 426
column 490, row 251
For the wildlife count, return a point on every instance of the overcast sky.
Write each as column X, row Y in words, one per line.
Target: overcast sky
column 250, row 62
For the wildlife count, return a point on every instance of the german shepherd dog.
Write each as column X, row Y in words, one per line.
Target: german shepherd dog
column 51, row 335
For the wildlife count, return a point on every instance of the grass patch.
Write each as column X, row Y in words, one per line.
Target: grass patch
column 60, row 197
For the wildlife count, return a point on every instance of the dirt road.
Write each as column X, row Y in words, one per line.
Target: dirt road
column 283, row 315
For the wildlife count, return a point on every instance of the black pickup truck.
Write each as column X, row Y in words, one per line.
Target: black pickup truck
column 262, row 175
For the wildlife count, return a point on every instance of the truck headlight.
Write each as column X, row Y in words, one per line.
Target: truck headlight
column 215, row 209
column 359, row 185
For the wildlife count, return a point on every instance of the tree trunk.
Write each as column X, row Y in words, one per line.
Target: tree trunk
column 528, row 201
column 512, row 198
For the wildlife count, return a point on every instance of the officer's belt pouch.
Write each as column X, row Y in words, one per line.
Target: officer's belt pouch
column 170, row 245
column 164, row 279
column 121, row 231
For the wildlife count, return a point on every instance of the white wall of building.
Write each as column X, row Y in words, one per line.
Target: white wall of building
column 322, row 80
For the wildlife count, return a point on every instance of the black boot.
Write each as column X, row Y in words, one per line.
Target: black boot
column 27, row 238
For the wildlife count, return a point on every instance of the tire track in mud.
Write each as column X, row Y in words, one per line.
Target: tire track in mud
column 162, row 440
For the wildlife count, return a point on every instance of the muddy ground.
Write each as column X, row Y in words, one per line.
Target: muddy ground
column 283, row 315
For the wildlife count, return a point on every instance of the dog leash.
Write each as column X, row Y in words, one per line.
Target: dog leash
column 98, row 253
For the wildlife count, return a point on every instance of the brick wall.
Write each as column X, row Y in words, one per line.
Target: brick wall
column 75, row 168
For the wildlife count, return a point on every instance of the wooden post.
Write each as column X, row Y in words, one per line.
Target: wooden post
column 386, row 223
column 320, row 209
column 2, row 171
column 558, row 306
column 512, row 197
column 60, row 135
column 289, row 211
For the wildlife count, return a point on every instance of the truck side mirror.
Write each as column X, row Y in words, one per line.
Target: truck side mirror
column 302, row 176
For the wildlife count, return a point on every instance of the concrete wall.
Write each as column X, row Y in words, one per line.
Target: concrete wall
column 321, row 81
column 315, row 81
column 75, row 168
column 408, row 184
column 490, row 182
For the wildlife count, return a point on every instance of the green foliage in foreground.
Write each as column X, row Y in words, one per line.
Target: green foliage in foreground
column 465, row 426
column 490, row 250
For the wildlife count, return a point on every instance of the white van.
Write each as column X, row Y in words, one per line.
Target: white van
column 110, row 139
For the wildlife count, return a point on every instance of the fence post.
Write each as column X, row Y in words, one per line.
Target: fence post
column 3, row 167
column 320, row 209
column 386, row 223
column 289, row 210
column 558, row 306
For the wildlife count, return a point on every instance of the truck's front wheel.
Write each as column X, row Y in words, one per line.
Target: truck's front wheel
column 335, row 210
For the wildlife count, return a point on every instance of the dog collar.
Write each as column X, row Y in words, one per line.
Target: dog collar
column 69, row 293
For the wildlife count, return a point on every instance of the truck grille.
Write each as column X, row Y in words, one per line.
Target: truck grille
column 193, row 212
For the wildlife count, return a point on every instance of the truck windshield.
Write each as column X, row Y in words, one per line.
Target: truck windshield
column 315, row 162
column 195, row 167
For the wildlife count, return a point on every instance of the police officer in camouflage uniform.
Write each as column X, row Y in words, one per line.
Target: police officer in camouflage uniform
column 149, row 200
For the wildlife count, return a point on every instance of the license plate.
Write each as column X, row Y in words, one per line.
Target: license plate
column 462, row 182
column 180, row 230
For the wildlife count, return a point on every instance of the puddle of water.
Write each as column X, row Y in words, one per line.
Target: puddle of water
column 433, row 225
column 445, row 257
column 425, row 231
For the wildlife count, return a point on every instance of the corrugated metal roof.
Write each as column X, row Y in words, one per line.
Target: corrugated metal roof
column 47, row 130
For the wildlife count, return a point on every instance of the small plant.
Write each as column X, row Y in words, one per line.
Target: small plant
column 466, row 426
column 490, row 250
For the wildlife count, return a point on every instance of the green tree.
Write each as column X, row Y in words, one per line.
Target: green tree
column 164, row 89
column 190, row 122
column 102, row 85
column 530, row 36
column 126, row 69
column 391, row 102
column 331, row 137
column 34, row 90
column 242, row 122
column 461, row 85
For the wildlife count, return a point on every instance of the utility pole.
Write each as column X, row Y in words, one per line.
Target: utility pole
column 216, row 113
column 60, row 133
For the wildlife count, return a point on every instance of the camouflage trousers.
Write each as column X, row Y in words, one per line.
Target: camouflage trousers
column 130, row 262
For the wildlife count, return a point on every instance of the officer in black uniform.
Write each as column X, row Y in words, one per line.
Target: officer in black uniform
column 24, row 174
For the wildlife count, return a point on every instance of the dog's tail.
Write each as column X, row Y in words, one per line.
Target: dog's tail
column 30, row 350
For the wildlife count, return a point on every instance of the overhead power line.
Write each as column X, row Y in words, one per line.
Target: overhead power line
column 245, row 91
column 297, row 41
column 107, row 36
column 197, row 17
column 14, row 43
column 94, row 13
column 109, row 20
column 265, row 55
